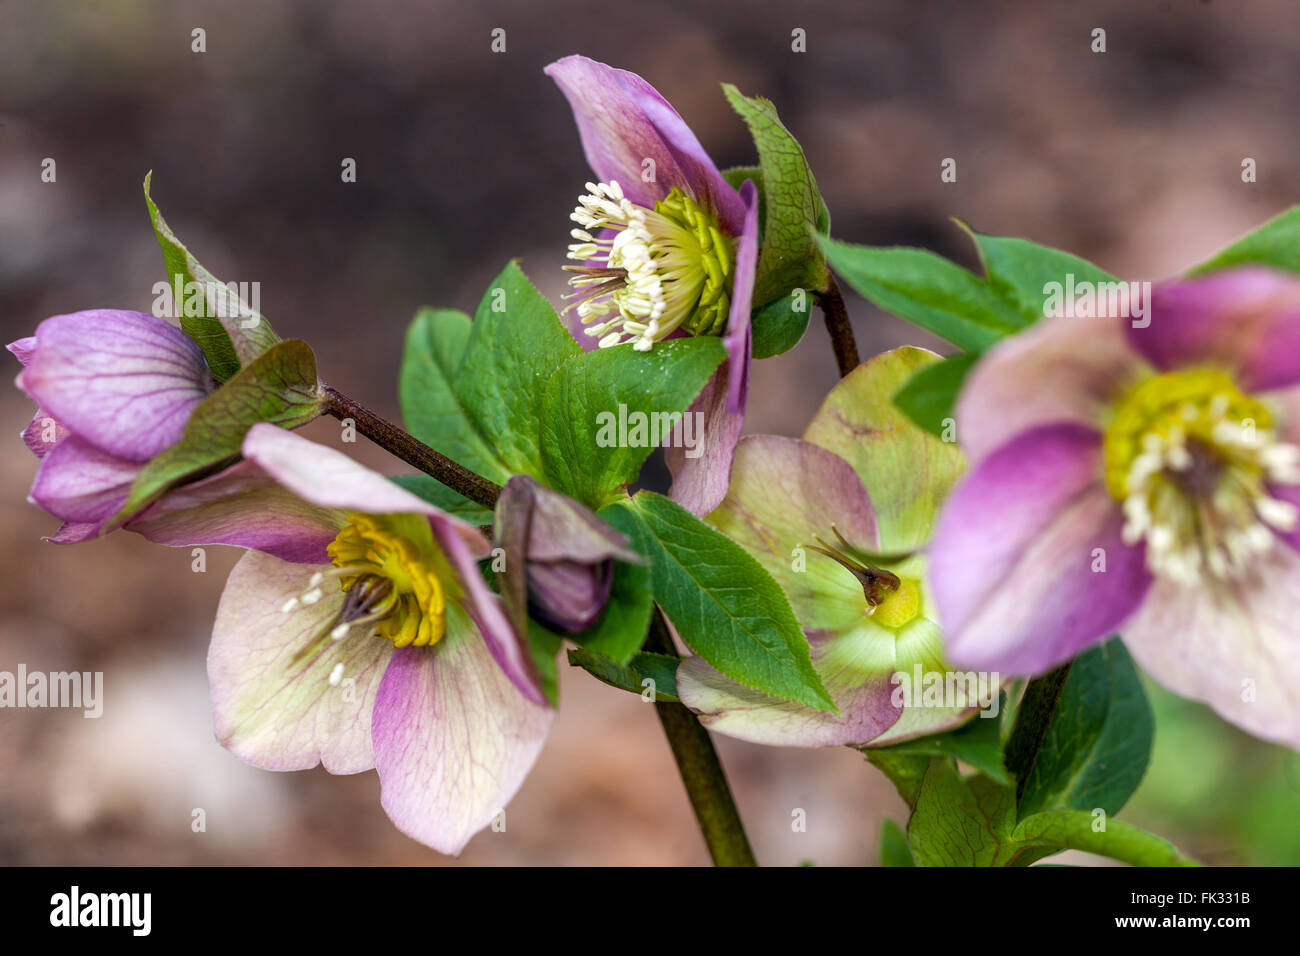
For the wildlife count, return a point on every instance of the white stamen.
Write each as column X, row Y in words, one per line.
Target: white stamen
column 340, row 632
column 312, row 596
column 336, row 675
column 289, row 605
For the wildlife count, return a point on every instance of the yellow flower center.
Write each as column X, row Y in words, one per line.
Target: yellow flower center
column 373, row 555
column 663, row 269
column 1191, row 457
column 902, row 606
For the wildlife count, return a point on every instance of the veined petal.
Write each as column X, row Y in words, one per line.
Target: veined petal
column 278, row 713
column 81, row 483
column 42, row 433
column 1015, row 566
column 330, row 479
column 785, row 494
column 453, row 740
column 1234, row 648
column 855, row 665
column 623, row 121
column 124, row 381
column 1246, row 319
column 23, row 349
column 738, row 340
column 245, row 507
column 700, row 483
column 1063, row 369
column 907, row 471
column 74, row 532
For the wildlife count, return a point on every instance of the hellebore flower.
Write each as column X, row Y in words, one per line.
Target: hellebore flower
column 668, row 247
column 1140, row 478
column 838, row 520
column 570, row 554
column 359, row 633
column 113, row 389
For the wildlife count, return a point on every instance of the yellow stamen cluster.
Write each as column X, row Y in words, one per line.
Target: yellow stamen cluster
column 1191, row 457
column 370, row 547
column 663, row 269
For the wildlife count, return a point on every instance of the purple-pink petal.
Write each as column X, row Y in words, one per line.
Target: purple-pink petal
column 1246, row 319
column 245, row 507
column 623, row 121
column 738, row 339
column 81, row 483
column 1027, row 565
column 452, row 739
column 700, row 483
column 123, row 381
column 42, row 433
column 23, row 349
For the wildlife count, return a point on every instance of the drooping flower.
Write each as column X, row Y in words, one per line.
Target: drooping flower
column 113, row 389
column 1141, row 477
column 569, row 555
column 839, row 520
column 667, row 248
column 358, row 633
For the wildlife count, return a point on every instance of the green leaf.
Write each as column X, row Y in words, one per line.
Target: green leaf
column 970, row 821
column 516, row 343
column 927, row 290
column 725, row 606
column 435, row 344
column 894, row 850
column 1276, row 243
column 793, row 208
column 1083, row 735
column 231, row 336
column 584, row 453
column 659, row 668
column 279, row 386
column 440, row 496
column 544, row 648
column 960, row 821
column 904, row 770
column 978, row 742
column 930, row 396
column 780, row 324
column 1018, row 269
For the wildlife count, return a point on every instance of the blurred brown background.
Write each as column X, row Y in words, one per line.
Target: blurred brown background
column 466, row 158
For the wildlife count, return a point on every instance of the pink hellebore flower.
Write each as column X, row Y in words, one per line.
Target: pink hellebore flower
column 839, row 520
column 668, row 247
column 1142, row 479
column 114, row 388
column 358, row 633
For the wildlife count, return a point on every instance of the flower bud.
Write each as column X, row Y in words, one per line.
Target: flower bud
column 569, row 555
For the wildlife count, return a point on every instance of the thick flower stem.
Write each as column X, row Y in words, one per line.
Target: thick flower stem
column 410, row 449
column 697, row 761
column 837, row 324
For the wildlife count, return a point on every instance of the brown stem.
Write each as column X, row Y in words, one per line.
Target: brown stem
column 837, row 324
column 702, row 775
column 410, row 449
